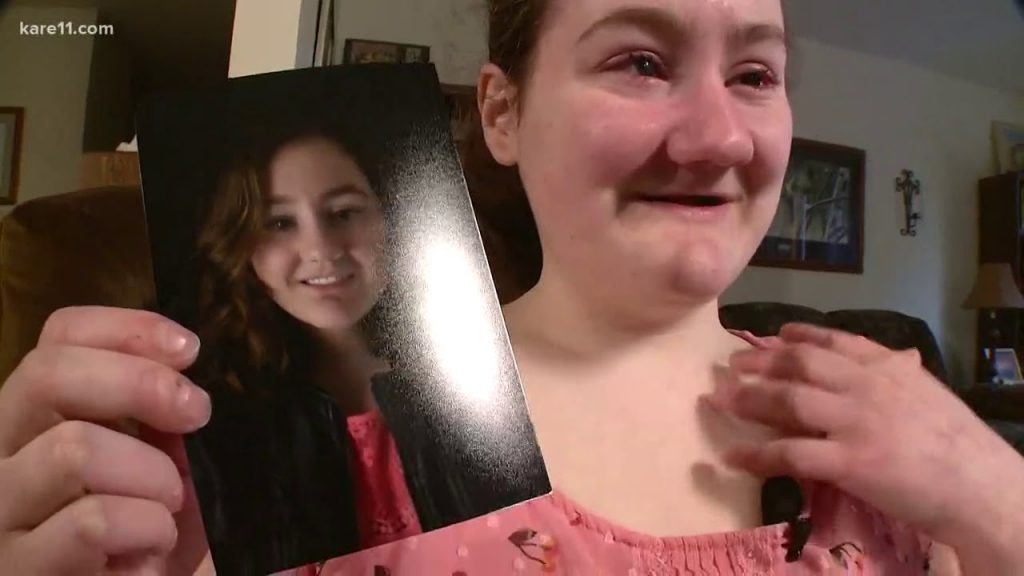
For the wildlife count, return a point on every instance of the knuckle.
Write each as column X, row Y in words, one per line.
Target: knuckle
column 90, row 522
column 912, row 355
column 36, row 362
column 878, row 388
column 843, row 468
column 39, row 369
column 867, row 458
column 790, row 403
column 58, row 326
column 749, row 401
column 802, row 357
column 741, row 396
column 70, row 451
column 853, row 417
column 790, row 459
column 807, row 351
column 863, row 343
column 794, row 460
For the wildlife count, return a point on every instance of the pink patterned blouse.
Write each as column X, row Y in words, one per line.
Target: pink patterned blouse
column 554, row 535
column 385, row 510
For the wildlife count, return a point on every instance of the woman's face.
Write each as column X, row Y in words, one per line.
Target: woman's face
column 320, row 254
column 652, row 138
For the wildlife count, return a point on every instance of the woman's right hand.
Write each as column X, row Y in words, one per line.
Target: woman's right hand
column 79, row 494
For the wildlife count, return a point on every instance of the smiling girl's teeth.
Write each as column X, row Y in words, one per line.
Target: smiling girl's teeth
column 322, row 281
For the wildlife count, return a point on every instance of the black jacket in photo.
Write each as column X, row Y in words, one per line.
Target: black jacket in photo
column 272, row 471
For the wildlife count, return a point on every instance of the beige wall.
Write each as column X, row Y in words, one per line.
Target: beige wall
column 265, row 37
column 455, row 30
column 903, row 117
column 49, row 76
column 271, row 35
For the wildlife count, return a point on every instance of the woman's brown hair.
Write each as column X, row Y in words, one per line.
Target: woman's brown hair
column 238, row 321
column 503, row 212
column 513, row 29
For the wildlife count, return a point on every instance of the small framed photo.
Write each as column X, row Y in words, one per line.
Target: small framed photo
column 1007, row 367
column 819, row 224
column 11, row 130
column 1008, row 140
column 359, row 51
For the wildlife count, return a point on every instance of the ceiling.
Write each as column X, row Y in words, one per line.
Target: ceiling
column 977, row 40
column 174, row 44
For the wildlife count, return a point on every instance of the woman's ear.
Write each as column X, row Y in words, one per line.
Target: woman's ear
column 499, row 115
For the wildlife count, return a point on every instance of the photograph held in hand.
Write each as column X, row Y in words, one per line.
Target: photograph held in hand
column 314, row 229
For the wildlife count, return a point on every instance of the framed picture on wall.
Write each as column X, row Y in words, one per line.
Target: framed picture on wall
column 11, row 128
column 1007, row 366
column 359, row 51
column 819, row 224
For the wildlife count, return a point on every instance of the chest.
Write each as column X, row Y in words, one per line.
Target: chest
column 644, row 454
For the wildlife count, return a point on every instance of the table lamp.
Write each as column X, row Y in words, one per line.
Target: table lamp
column 994, row 289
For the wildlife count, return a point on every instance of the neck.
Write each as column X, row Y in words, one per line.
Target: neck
column 345, row 366
column 594, row 325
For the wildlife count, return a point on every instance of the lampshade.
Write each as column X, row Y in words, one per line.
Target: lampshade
column 994, row 288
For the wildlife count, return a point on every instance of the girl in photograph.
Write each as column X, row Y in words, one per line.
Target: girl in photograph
column 291, row 254
column 307, row 388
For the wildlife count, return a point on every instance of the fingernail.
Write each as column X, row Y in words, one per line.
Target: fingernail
column 196, row 401
column 192, row 345
column 178, row 497
column 177, row 341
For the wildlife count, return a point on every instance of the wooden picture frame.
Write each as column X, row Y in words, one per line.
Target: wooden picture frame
column 819, row 224
column 361, row 51
column 12, row 126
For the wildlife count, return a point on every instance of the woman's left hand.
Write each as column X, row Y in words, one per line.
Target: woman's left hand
column 875, row 424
